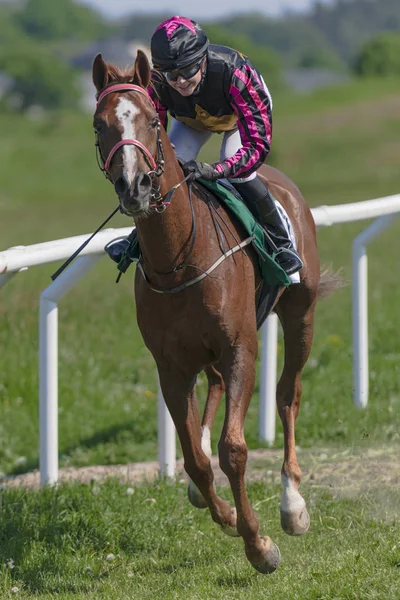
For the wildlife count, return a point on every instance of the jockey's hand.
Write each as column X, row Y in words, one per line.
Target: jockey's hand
column 196, row 169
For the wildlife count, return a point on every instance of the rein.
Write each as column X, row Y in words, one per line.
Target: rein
column 85, row 243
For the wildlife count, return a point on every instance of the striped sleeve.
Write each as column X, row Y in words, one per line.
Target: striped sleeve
column 162, row 110
column 252, row 105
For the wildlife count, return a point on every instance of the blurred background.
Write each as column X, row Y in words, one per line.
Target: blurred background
column 333, row 69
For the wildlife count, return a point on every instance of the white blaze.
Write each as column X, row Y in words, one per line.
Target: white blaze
column 126, row 112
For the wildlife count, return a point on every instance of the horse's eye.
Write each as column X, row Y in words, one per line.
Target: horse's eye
column 154, row 122
column 98, row 127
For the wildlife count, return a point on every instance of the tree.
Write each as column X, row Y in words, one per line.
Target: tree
column 39, row 78
column 264, row 59
column 348, row 25
column 293, row 38
column 313, row 58
column 11, row 32
column 60, row 19
column 380, row 56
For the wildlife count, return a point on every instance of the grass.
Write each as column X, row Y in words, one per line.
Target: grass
column 113, row 542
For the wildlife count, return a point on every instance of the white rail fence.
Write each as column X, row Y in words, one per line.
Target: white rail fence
column 20, row 258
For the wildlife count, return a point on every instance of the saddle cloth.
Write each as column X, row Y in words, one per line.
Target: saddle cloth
column 271, row 272
column 295, row 277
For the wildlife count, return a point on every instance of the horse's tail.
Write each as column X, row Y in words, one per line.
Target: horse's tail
column 330, row 281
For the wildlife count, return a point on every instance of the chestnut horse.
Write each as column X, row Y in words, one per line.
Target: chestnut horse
column 210, row 325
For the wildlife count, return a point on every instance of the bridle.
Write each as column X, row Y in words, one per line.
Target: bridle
column 157, row 165
column 160, row 203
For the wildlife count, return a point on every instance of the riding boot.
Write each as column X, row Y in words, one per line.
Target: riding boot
column 258, row 199
column 118, row 247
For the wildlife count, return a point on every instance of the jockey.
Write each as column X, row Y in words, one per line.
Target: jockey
column 206, row 89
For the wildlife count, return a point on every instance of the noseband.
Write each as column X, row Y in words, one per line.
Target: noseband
column 157, row 166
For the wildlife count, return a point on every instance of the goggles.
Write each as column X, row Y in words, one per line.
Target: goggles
column 185, row 72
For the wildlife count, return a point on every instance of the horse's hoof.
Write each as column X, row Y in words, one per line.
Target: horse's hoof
column 265, row 559
column 231, row 529
column 196, row 498
column 295, row 523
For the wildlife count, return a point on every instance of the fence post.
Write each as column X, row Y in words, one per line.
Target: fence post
column 48, row 390
column 360, row 307
column 166, row 438
column 48, row 363
column 268, row 366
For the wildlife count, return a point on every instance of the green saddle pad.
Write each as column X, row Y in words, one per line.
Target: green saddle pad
column 271, row 272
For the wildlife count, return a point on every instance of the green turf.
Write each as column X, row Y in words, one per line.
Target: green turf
column 100, row 541
column 338, row 146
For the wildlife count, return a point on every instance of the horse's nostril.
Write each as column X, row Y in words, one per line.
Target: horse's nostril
column 121, row 186
column 144, row 183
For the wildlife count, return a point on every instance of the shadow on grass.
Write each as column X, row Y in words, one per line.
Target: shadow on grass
column 106, row 436
column 186, row 563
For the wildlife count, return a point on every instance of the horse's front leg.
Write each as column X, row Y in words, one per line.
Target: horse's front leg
column 238, row 372
column 180, row 396
column 216, row 389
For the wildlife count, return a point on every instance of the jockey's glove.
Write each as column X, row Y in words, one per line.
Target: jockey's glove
column 196, row 169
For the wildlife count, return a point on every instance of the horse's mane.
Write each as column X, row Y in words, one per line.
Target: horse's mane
column 120, row 75
column 124, row 75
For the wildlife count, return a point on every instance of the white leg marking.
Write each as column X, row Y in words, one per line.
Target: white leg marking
column 126, row 112
column 206, row 441
column 291, row 500
column 206, row 447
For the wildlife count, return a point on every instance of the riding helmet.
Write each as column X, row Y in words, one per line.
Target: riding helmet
column 177, row 43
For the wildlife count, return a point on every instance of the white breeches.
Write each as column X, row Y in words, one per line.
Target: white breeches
column 188, row 143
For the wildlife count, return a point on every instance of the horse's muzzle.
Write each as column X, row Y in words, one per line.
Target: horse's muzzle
column 134, row 198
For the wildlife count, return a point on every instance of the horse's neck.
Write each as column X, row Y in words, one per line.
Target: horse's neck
column 164, row 237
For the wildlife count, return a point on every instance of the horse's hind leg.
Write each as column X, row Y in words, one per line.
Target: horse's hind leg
column 296, row 312
column 238, row 372
column 216, row 389
column 180, row 397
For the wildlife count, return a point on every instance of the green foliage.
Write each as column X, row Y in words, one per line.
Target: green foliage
column 28, row 56
column 349, row 24
column 39, row 75
column 11, row 32
column 39, row 78
column 380, row 56
column 62, row 19
column 330, row 35
column 292, row 38
column 264, row 59
column 318, row 58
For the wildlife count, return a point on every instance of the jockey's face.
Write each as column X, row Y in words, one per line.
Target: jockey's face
column 186, row 87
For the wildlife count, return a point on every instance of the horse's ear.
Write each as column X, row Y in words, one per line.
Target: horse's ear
column 99, row 73
column 142, row 69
